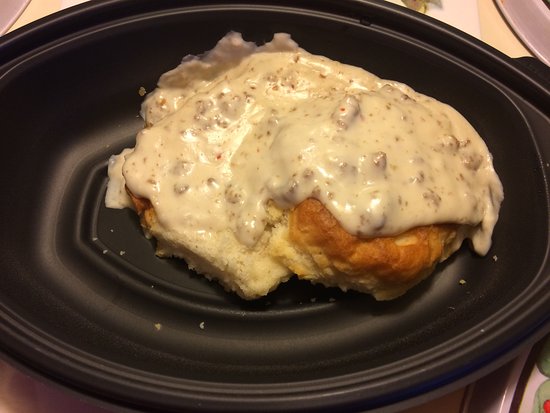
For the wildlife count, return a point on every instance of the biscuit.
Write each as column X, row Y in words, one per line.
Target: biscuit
column 258, row 163
column 312, row 245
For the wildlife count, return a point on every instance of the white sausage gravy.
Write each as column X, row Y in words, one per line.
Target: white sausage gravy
column 242, row 125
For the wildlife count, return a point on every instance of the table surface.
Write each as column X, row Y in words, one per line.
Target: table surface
column 23, row 392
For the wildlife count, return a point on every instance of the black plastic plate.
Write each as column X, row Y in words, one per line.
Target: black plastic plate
column 85, row 302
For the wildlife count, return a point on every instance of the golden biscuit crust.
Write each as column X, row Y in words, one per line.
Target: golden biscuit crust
column 382, row 263
column 144, row 209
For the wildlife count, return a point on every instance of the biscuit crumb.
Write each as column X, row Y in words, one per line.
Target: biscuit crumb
column 462, row 281
column 158, row 326
column 495, row 258
column 142, row 91
column 105, row 251
column 94, row 239
column 122, row 252
column 201, row 325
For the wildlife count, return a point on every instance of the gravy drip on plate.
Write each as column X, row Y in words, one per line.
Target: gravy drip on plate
column 243, row 125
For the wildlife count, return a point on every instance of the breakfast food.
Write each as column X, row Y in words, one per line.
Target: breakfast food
column 258, row 163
